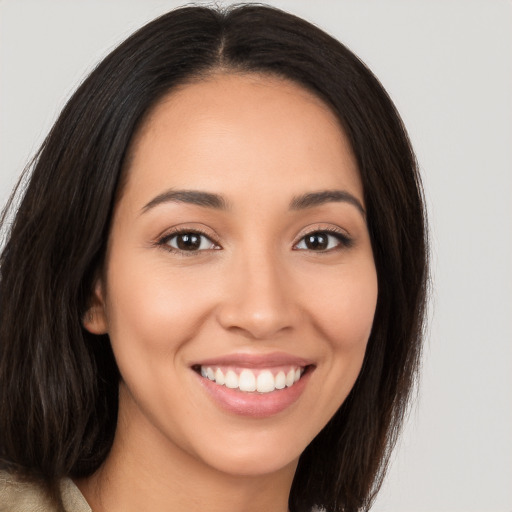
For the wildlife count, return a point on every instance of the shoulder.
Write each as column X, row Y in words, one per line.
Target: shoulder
column 20, row 496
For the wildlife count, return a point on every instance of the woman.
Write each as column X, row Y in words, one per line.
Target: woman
column 212, row 293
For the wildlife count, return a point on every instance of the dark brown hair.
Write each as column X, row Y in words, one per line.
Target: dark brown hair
column 59, row 383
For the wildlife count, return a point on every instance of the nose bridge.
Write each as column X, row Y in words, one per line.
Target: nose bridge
column 258, row 299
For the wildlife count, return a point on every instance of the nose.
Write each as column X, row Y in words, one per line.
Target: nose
column 259, row 300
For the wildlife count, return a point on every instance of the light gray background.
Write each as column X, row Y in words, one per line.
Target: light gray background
column 448, row 66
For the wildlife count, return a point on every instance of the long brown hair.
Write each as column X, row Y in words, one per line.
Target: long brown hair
column 59, row 384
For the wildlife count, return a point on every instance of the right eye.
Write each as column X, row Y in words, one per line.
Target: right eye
column 188, row 241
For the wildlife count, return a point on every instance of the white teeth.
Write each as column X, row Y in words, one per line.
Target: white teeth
column 266, row 382
column 219, row 377
column 280, row 380
column 247, row 381
column 231, row 380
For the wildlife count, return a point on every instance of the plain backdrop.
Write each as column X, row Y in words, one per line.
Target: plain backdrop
column 448, row 67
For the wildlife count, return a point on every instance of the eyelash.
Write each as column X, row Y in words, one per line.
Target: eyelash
column 344, row 241
column 164, row 241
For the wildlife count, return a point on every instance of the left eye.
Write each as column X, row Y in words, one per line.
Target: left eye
column 190, row 241
column 319, row 241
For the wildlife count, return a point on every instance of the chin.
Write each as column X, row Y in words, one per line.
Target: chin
column 251, row 464
column 253, row 456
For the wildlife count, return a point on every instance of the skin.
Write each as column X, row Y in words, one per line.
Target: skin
column 256, row 288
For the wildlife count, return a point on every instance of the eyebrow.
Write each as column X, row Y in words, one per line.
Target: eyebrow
column 216, row 201
column 312, row 199
column 196, row 197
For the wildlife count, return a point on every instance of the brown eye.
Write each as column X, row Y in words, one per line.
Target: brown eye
column 316, row 241
column 190, row 241
column 323, row 241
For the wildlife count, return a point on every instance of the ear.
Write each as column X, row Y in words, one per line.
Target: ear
column 95, row 318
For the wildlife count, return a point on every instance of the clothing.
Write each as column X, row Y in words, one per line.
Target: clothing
column 18, row 496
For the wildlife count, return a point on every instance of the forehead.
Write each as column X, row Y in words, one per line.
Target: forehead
column 242, row 128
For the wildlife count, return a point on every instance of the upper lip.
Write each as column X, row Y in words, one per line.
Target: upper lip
column 255, row 360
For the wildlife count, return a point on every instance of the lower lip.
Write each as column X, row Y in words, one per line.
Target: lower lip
column 256, row 405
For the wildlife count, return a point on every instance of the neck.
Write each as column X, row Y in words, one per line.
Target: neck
column 146, row 471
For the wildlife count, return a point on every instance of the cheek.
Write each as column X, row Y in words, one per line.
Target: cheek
column 345, row 311
column 156, row 310
column 343, row 317
column 130, row 304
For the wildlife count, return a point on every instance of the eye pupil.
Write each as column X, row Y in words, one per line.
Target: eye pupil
column 317, row 241
column 188, row 241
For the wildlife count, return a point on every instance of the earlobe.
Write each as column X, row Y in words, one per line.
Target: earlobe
column 95, row 318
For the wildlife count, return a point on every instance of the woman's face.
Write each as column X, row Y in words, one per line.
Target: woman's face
column 239, row 252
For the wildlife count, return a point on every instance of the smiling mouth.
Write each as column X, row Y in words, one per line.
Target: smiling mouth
column 251, row 380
